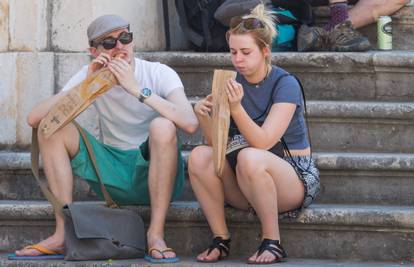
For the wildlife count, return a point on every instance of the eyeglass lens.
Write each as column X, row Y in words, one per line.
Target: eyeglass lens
column 110, row 42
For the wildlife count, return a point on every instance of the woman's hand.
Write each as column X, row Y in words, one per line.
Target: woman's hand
column 99, row 62
column 204, row 106
column 125, row 74
column 235, row 94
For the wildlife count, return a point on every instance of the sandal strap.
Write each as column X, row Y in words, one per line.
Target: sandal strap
column 223, row 245
column 273, row 246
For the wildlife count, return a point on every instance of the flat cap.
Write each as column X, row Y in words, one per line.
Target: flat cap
column 105, row 24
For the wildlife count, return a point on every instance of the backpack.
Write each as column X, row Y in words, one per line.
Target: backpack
column 287, row 26
column 203, row 31
column 301, row 9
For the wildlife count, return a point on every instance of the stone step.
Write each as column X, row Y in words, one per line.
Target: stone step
column 370, row 76
column 346, row 178
column 341, row 232
column 339, row 126
column 191, row 262
column 402, row 27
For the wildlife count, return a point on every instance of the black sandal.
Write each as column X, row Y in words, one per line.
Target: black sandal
column 274, row 247
column 223, row 245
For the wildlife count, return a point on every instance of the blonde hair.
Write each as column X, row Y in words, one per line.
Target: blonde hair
column 263, row 36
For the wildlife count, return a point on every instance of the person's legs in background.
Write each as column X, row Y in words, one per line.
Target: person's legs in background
column 338, row 34
column 339, row 13
column 365, row 12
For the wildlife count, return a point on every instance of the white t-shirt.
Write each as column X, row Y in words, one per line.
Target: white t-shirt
column 123, row 120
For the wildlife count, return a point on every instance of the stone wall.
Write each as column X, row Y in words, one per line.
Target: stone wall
column 60, row 25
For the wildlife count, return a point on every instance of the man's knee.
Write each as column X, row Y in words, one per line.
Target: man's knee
column 162, row 131
column 68, row 136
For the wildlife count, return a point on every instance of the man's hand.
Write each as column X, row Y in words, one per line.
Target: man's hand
column 125, row 75
column 101, row 61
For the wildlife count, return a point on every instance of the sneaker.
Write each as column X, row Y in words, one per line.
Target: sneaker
column 344, row 38
column 312, row 39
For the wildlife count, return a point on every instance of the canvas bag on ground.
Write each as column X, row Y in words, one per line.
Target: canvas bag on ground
column 95, row 231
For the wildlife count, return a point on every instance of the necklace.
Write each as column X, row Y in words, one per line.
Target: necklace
column 257, row 85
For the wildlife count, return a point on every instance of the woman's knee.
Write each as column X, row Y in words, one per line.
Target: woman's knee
column 249, row 162
column 162, row 131
column 199, row 160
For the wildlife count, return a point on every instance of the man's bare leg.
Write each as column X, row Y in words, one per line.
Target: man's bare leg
column 162, row 172
column 366, row 12
column 56, row 153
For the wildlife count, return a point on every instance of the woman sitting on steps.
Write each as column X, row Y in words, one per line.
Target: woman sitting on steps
column 266, row 106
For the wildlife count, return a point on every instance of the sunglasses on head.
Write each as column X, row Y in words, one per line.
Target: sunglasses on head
column 248, row 23
column 110, row 42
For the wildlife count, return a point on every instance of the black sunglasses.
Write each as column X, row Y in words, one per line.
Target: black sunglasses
column 248, row 24
column 110, row 42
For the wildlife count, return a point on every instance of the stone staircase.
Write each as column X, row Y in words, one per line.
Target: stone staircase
column 361, row 116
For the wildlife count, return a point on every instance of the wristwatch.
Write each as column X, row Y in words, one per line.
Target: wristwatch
column 144, row 94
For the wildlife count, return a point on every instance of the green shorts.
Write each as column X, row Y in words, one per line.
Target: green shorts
column 124, row 172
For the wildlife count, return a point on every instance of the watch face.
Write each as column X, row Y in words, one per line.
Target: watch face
column 146, row 92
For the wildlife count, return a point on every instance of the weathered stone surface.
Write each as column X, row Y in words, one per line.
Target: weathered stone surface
column 21, row 185
column 71, row 18
column 191, row 262
column 4, row 25
column 402, row 27
column 361, row 126
column 28, row 25
column 67, row 65
column 366, row 187
column 321, row 231
column 34, row 83
column 8, row 99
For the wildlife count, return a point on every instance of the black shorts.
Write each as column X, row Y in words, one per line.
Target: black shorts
column 231, row 157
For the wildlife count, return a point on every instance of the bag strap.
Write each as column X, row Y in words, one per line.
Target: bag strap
column 57, row 205
column 109, row 201
column 307, row 127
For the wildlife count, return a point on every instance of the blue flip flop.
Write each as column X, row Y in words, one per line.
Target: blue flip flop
column 13, row 256
column 47, row 254
column 151, row 259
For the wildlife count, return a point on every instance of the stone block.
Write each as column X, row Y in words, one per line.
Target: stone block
column 67, row 65
column 8, row 99
column 34, row 83
column 70, row 20
column 4, row 25
column 29, row 29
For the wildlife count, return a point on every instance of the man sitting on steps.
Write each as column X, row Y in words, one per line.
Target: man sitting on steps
column 138, row 153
